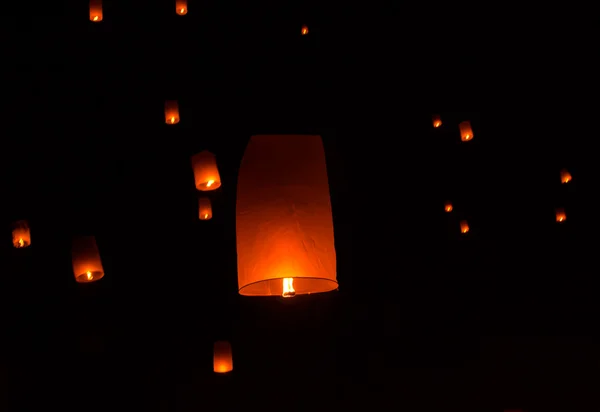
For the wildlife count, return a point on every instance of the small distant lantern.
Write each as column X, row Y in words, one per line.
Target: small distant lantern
column 448, row 207
column 464, row 226
column 437, row 120
column 206, row 172
column 304, row 30
column 171, row 112
column 561, row 215
column 223, row 359
column 96, row 11
column 181, row 7
column 87, row 266
column 466, row 132
column 21, row 234
column 204, row 208
column 565, row 176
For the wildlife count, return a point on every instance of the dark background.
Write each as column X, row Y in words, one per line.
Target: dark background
column 425, row 318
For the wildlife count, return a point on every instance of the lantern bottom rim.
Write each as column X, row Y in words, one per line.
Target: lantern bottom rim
column 83, row 278
column 204, row 188
column 302, row 286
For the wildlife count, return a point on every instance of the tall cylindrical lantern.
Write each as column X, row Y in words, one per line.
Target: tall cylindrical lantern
column 304, row 30
column 181, row 7
column 437, row 120
column 565, row 176
column 87, row 266
column 284, row 225
column 466, row 132
column 21, row 235
column 206, row 172
column 96, row 10
column 204, row 208
column 464, row 226
column 223, row 358
column 561, row 215
column 171, row 112
column 448, row 206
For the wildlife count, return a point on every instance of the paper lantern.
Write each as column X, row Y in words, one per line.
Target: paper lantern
column 171, row 112
column 561, row 215
column 181, row 7
column 204, row 208
column 466, row 133
column 565, row 176
column 464, row 226
column 21, row 235
column 223, row 359
column 304, row 30
column 96, row 11
column 206, row 172
column 284, row 225
column 448, row 207
column 437, row 120
column 87, row 265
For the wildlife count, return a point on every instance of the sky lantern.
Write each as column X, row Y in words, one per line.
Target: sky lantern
column 181, row 7
column 464, row 226
column 304, row 30
column 87, row 265
column 96, row 11
column 437, row 120
column 223, row 359
column 561, row 215
column 284, row 225
column 565, row 176
column 204, row 208
column 206, row 172
column 466, row 132
column 21, row 235
column 448, row 206
column 171, row 112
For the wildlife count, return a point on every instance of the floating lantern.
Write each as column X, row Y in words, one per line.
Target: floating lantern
column 437, row 120
column 87, row 265
column 561, row 215
column 565, row 176
column 223, row 359
column 181, row 7
column 206, row 172
column 204, row 208
column 448, row 207
column 171, row 112
column 96, row 11
column 21, row 235
column 464, row 226
column 304, row 30
column 284, row 225
column 466, row 132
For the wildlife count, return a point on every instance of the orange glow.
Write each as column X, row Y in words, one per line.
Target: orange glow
column 561, row 216
column 448, row 207
column 96, row 10
column 204, row 208
column 464, row 226
column 565, row 176
column 181, row 7
column 21, row 235
column 466, row 132
column 284, row 226
column 206, row 172
column 304, row 30
column 223, row 359
column 87, row 266
column 437, row 120
column 171, row 112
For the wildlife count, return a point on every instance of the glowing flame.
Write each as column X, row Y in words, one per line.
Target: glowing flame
column 210, row 183
column 304, row 30
column 437, row 123
column 182, row 11
column 448, row 208
column 288, row 288
column 89, row 275
column 206, row 216
column 95, row 18
column 21, row 243
column 172, row 119
column 467, row 136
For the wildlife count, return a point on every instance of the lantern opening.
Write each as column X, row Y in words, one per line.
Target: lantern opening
column 21, row 235
column 288, row 288
column 89, row 276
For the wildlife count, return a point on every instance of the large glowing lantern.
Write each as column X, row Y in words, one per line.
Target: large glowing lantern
column 565, row 176
column 464, row 226
column 561, row 215
column 21, row 235
column 437, row 120
column 223, row 359
column 87, row 265
column 304, row 30
column 181, row 7
column 96, row 10
column 206, row 172
column 466, row 132
column 285, row 243
column 448, row 207
column 171, row 112
column 204, row 208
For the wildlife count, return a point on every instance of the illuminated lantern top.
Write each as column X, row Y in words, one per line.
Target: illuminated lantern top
column 87, row 266
column 206, row 172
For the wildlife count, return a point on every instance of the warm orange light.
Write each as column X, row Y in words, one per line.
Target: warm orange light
column 171, row 112
column 304, row 30
column 437, row 120
column 204, row 208
column 466, row 132
column 206, row 172
column 561, row 215
column 96, row 10
column 223, row 359
column 21, row 235
column 464, row 226
column 565, row 176
column 448, row 207
column 181, row 7
column 87, row 266
column 284, row 226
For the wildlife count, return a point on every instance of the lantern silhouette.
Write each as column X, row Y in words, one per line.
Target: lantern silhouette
column 448, row 207
column 204, row 208
column 466, row 133
column 87, row 265
column 96, row 11
column 284, row 225
column 181, row 7
column 171, row 112
column 464, row 226
column 223, row 359
column 21, row 235
column 206, row 172
column 561, row 215
column 437, row 120
column 304, row 30
column 565, row 176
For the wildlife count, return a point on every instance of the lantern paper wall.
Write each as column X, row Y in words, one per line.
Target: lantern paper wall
column 561, row 215
column 96, row 10
column 448, row 207
column 181, row 7
column 171, row 112
column 464, row 226
column 437, row 120
column 223, row 359
column 304, row 30
column 565, row 176
column 21, row 235
column 204, row 208
column 87, row 265
column 466, row 133
column 206, row 172
column 284, row 225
